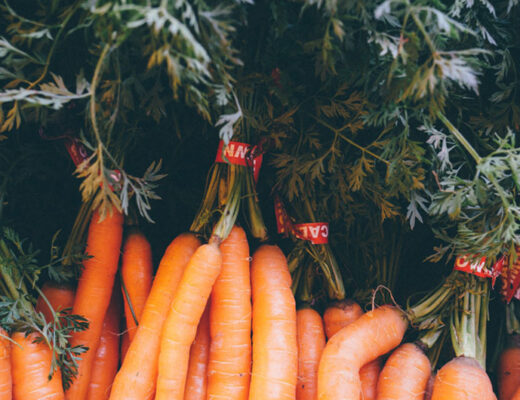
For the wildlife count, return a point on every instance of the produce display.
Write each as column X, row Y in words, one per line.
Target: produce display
column 259, row 200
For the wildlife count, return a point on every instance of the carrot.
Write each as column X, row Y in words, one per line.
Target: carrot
column 180, row 327
column 508, row 371
column 6, row 380
column 229, row 367
column 462, row 378
column 405, row 375
column 339, row 315
column 275, row 347
column 429, row 387
column 372, row 335
column 31, row 365
column 136, row 270
column 197, row 378
column 368, row 376
column 311, row 342
column 125, row 344
column 94, row 292
column 60, row 296
column 137, row 377
column 516, row 396
column 107, row 356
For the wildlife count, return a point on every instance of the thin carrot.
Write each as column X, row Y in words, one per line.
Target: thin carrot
column 462, row 378
column 229, row 368
column 180, row 327
column 136, row 271
column 6, row 379
column 31, row 365
column 197, row 378
column 311, row 342
column 94, row 292
column 137, row 377
column 372, row 335
column 107, row 356
column 60, row 296
column 368, row 376
column 339, row 315
column 125, row 345
column 508, row 371
column 405, row 375
column 275, row 347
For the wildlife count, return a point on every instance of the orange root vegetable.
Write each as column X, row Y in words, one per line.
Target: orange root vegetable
column 369, row 375
column 429, row 387
column 311, row 342
column 138, row 374
column 372, row 335
column 125, row 344
column 339, row 315
column 229, row 367
column 275, row 347
column 60, row 296
column 180, row 327
column 508, row 371
column 405, row 375
column 197, row 378
column 31, row 365
column 136, row 272
column 94, row 292
column 6, row 379
column 462, row 378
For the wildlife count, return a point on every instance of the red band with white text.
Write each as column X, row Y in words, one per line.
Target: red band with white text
column 238, row 153
column 477, row 267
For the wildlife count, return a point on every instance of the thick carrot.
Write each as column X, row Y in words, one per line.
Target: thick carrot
column 462, row 378
column 94, row 292
column 136, row 270
column 405, row 375
column 339, row 315
column 107, row 357
column 372, row 335
column 180, row 327
column 508, row 371
column 368, row 376
column 311, row 342
column 60, row 296
column 31, row 365
column 229, row 368
column 6, row 380
column 275, row 346
column 137, row 377
column 197, row 378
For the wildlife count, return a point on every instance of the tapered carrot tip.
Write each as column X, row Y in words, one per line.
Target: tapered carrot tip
column 462, row 378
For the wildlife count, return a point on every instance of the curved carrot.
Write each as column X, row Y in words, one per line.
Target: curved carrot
column 372, row 335
column 6, row 379
column 180, row 327
column 94, row 292
column 60, row 296
column 405, row 375
column 137, row 377
column 107, row 356
column 136, row 272
column 311, row 342
column 229, row 367
column 275, row 347
column 197, row 378
column 508, row 371
column 368, row 376
column 462, row 378
column 339, row 315
column 31, row 364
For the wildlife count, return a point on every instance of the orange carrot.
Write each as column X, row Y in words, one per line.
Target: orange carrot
column 516, row 396
column 6, row 381
column 229, row 368
column 136, row 271
column 60, row 296
column 197, row 378
column 508, row 371
column 311, row 342
column 125, row 344
column 94, row 292
column 137, row 377
column 462, row 378
column 405, row 375
column 180, row 327
column 339, row 315
column 107, row 357
column 275, row 347
column 372, row 335
column 368, row 376
column 31, row 365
